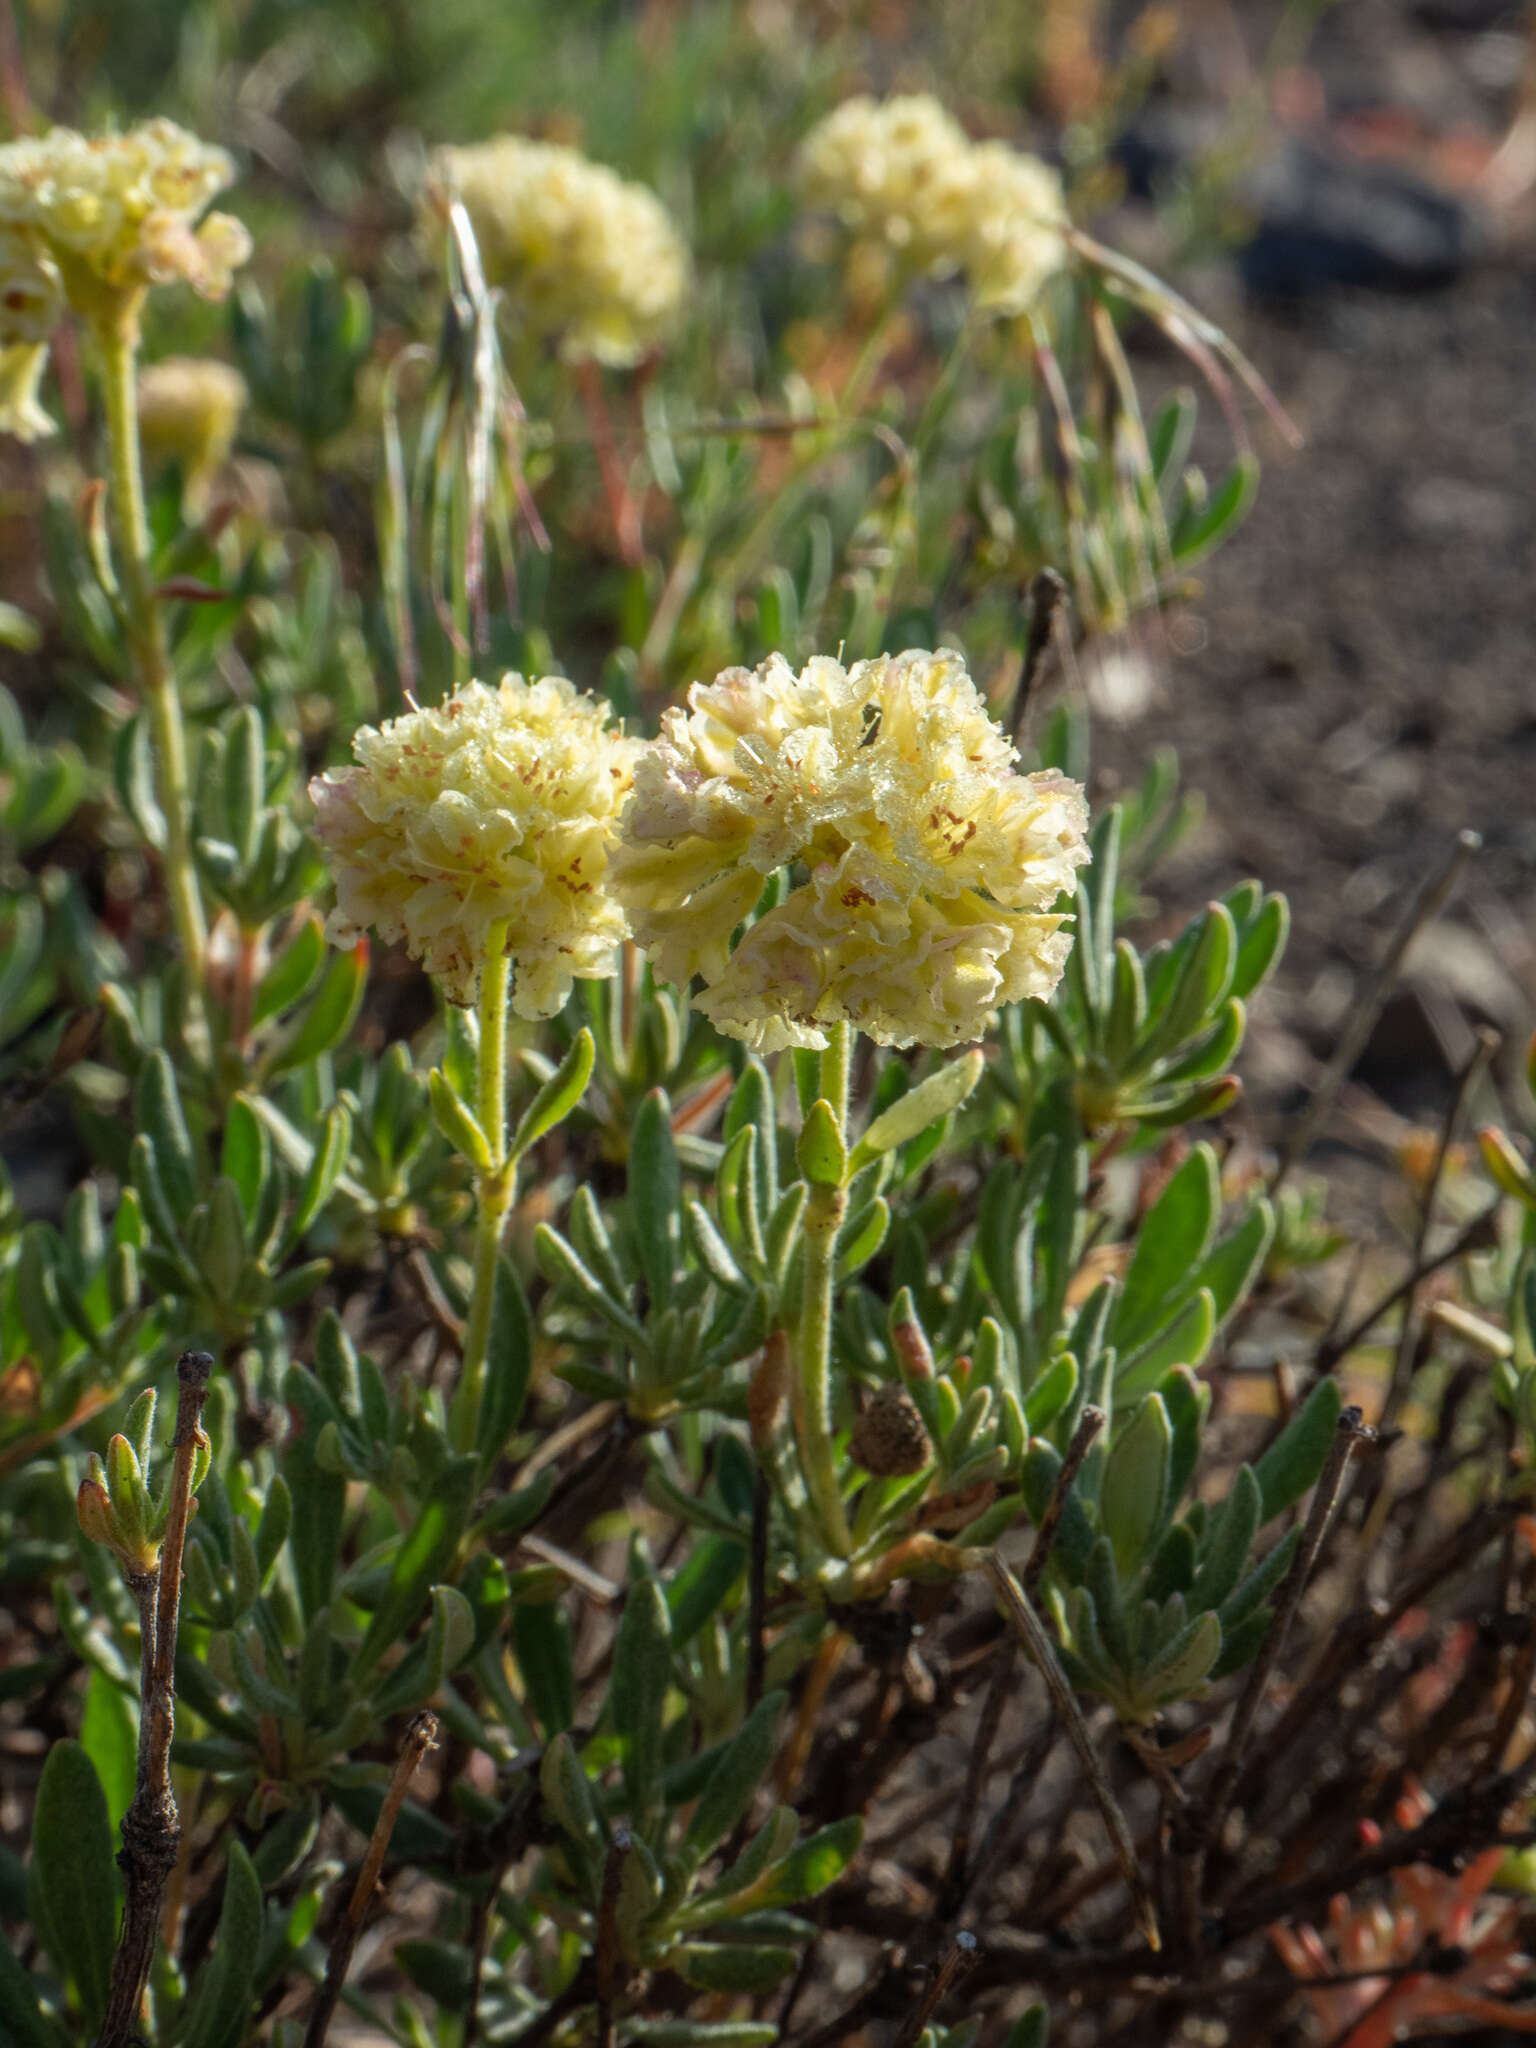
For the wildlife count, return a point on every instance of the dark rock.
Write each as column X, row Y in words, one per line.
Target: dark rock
column 1326, row 222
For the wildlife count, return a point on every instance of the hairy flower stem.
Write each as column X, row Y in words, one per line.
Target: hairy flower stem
column 493, row 1188
column 152, row 1826
column 824, row 1213
column 117, row 339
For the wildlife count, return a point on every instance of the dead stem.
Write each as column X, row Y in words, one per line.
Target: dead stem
column 151, row 1826
column 1212, row 1811
column 1036, row 1640
column 419, row 1738
column 1429, row 899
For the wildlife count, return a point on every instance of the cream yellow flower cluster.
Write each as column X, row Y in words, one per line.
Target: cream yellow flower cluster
column 924, row 865
column 583, row 254
column 904, row 176
column 497, row 808
column 189, row 412
column 91, row 223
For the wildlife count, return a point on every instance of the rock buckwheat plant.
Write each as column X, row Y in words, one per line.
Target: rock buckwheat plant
column 760, row 1452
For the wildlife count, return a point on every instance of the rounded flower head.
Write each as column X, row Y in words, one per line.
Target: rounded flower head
column 121, row 211
column 583, row 254
column 91, row 224
column 924, row 865
column 903, row 175
column 189, row 412
column 493, row 812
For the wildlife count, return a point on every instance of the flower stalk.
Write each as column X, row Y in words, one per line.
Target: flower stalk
column 825, row 1209
column 494, row 1184
column 117, row 339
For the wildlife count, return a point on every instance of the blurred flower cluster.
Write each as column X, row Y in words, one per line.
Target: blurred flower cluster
column 91, row 223
column 904, row 176
column 586, row 257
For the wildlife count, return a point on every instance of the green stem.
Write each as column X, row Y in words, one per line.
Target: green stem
column 493, row 1189
column 458, row 543
column 117, row 338
column 824, row 1212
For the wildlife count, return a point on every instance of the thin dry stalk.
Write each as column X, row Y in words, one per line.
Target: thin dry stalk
column 1213, row 1810
column 152, row 1826
column 420, row 1737
column 1036, row 1640
column 1430, row 898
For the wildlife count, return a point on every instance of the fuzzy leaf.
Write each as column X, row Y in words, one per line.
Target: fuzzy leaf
column 933, row 1099
column 1295, row 1459
column 655, row 1195
column 73, row 1882
column 742, row 1767
column 220, row 2007
column 558, row 1096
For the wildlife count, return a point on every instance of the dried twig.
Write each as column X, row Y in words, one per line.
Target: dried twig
column 1036, row 1640
column 1477, row 1236
column 151, row 1826
column 419, row 1738
column 1488, row 1043
column 960, row 1958
column 1047, row 596
column 1090, row 1422
column 1368, row 1007
column 608, row 1981
column 1207, row 1822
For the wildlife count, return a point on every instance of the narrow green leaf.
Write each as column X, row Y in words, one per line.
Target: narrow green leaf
column 1175, row 1235
column 541, row 1642
column 292, row 974
column 1203, row 527
column 133, row 771
column 109, row 1735
column 219, row 2012
column 1184, row 1341
column 246, row 1158
column 655, row 1195
column 558, row 1096
column 1295, row 1459
column 331, row 1013
column 1229, row 1538
column 245, row 782
column 72, row 1875
column 333, row 1142
column 508, row 1364
column 933, row 1099
column 731, row 1966
column 458, row 1122
column 157, row 1103
column 741, row 1769
column 642, row 1671
column 811, row 1867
